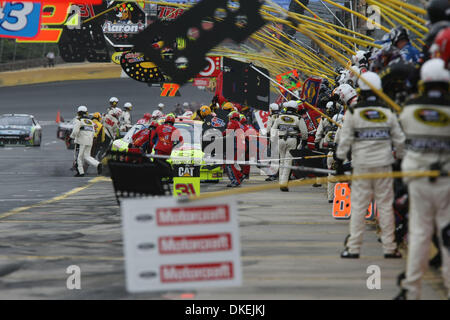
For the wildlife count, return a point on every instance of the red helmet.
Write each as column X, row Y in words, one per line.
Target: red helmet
column 170, row 119
column 441, row 47
column 234, row 115
column 147, row 116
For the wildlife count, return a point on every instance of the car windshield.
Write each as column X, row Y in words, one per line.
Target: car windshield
column 15, row 121
column 192, row 133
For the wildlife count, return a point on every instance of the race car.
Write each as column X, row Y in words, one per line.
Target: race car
column 19, row 129
column 186, row 160
column 63, row 132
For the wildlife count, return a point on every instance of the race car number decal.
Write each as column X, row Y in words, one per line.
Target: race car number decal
column 183, row 186
column 19, row 19
column 342, row 203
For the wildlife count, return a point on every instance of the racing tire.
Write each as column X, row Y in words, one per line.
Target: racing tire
column 211, row 181
column 40, row 139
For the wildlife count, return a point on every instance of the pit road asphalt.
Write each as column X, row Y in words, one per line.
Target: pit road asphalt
column 290, row 243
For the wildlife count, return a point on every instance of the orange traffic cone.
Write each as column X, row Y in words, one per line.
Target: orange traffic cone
column 58, row 117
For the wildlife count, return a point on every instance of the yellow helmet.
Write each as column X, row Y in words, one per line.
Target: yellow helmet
column 228, row 106
column 97, row 116
column 205, row 111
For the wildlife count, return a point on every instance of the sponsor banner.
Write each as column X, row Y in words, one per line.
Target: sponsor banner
column 290, row 80
column 194, row 215
column 201, row 82
column 190, row 244
column 213, row 68
column 197, row 272
column 172, row 245
column 116, row 56
column 123, row 22
column 311, row 89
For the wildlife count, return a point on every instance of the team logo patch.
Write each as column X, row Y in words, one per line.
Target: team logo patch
column 217, row 122
column 432, row 117
column 287, row 119
column 373, row 115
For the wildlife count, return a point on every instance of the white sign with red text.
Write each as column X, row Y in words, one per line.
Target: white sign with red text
column 171, row 245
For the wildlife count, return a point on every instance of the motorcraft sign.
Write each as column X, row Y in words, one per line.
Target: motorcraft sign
column 172, row 245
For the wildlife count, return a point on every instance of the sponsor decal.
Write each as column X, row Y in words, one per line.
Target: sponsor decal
column 287, row 119
column 191, row 244
column 432, row 117
column 217, row 122
column 428, row 144
column 201, row 82
column 373, row 115
column 123, row 22
column 192, row 215
column 196, row 272
column 120, row 27
column 169, row 13
column 373, row 134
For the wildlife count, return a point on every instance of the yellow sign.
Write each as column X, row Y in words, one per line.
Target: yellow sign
column 184, row 186
column 116, row 57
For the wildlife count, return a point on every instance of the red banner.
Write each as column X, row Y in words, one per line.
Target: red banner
column 201, row 82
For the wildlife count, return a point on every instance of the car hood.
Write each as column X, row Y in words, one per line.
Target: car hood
column 192, row 152
column 15, row 129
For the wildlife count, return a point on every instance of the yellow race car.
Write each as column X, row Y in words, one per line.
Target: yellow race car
column 186, row 160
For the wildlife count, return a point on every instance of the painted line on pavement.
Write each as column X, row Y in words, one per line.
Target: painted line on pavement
column 55, row 199
column 61, row 257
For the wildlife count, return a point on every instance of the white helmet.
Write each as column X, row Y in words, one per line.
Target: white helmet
column 113, row 100
column 274, row 107
column 360, row 58
column 157, row 114
column 348, row 77
column 346, row 93
column 127, row 105
column 161, row 105
column 188, row 113
column 329, row 106
column 434, row 71
column 117, row 112
column 186, row 104
column 82, row 109
column 372, row 78
column 290, row 104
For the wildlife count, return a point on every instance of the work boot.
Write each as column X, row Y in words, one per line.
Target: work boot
column 436, row 262
column 271, row 178
column 401, row 295
column 316, row 185
column 99, row 169
column 347, row 255
column 284, row 189
column 79, row 175
column 393, row 255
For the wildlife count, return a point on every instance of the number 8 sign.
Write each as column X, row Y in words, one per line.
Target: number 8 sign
column 19, row 19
